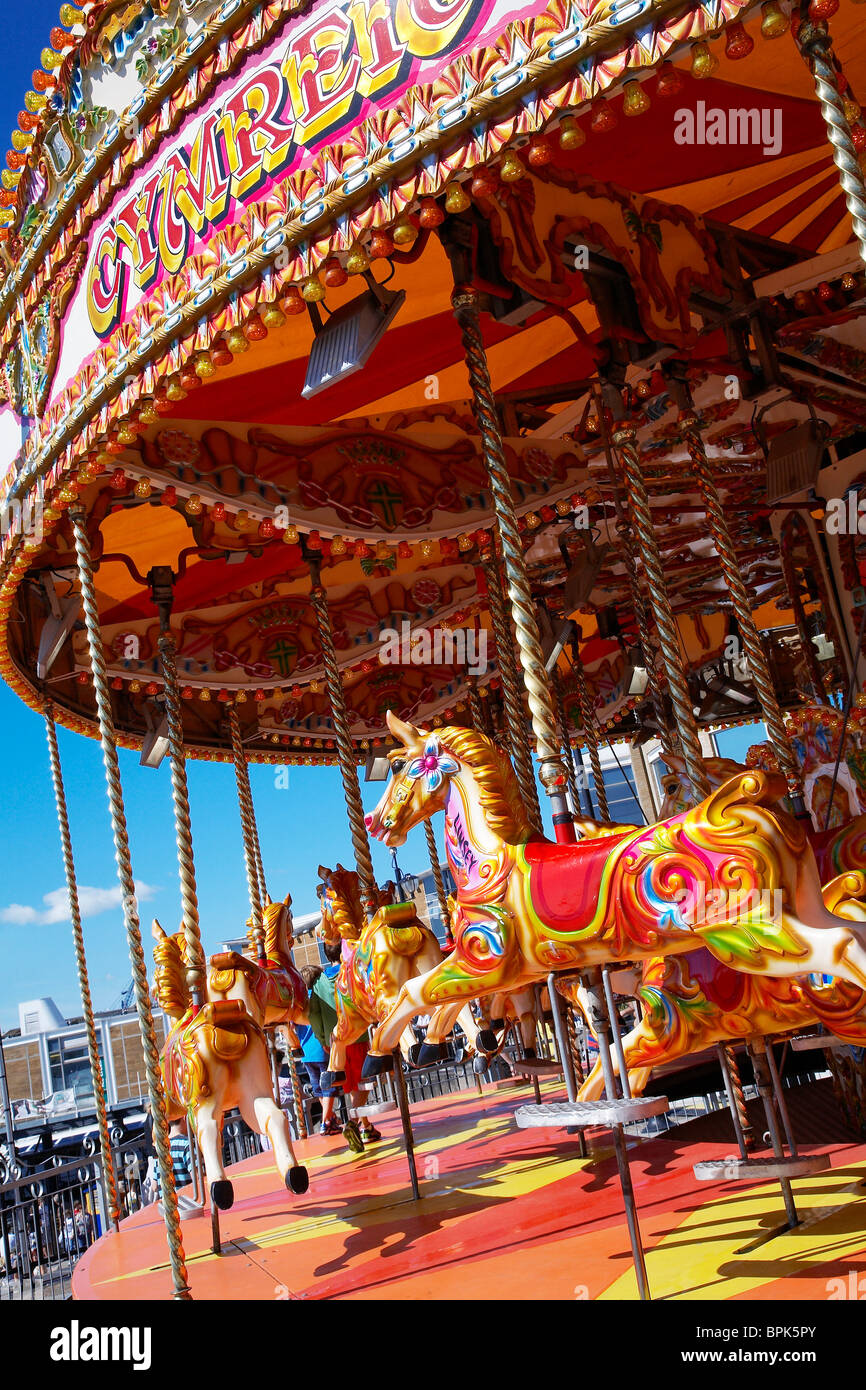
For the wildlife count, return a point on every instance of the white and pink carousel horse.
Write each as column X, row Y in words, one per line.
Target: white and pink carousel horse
column 526, row 906
column 215, row 1058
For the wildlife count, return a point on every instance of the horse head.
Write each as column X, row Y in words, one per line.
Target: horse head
column 676, row 784
column 342, row 911
column 277, row 922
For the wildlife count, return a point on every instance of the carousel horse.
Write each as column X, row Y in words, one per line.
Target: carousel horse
column 526, row 906
column 377, row 958
column 693, row 1001
column 838, row 850
column 215, row 1058
column 271, row 987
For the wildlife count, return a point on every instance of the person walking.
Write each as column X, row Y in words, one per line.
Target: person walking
column 357, row 1137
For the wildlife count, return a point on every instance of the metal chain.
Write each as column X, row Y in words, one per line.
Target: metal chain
column 816, row 47
column 345, row 752
column 150, row 1050
column 466, row 308
column 81, row 964
column 625, row 441
column 246, row 812
column 511, row 697
column 196, row 966
column 755, row 654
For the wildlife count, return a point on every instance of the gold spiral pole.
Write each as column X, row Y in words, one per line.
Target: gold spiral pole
column 81, row 964
column 625, row 442
column 551, row 771
column 624, row 531
column 439, row 881
column 195, row 963
column 245, row 806
column 816, row 46
column 345, row 749
column 108, row 738
column 590, row 732
column 511, row 698
column 742, row 1109
column 573, row 1041
column 755, row 654
column 264, row 895
column 300, row 1116
column 476, row 708
column 562, row 716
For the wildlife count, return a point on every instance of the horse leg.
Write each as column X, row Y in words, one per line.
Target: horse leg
column 208, row 1130
column 421, row 994
column 261, row 1113
column 523, row 1005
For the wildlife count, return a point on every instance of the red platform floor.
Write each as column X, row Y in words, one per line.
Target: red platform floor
column 505, row 1214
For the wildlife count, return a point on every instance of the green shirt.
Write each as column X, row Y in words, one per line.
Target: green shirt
column 321, row 1010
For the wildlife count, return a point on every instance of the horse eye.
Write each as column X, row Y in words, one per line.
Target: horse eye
column 398, row 765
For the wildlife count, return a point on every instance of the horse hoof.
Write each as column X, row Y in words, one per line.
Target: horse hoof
column 222, row 1194
column 480, row 1063
column 429, row 1053
column 298, row 1179
column 529, row 1054
column 487, row 1040
column 376, row 1064
column 298, row 1052
column 415, row 1053
column 497, row 1024
column 329, row 1079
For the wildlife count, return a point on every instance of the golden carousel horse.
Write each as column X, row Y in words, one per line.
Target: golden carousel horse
column 526, row 906
column 279, row 994
column 215, row 1058
column 690, row 1002
column 376, row 960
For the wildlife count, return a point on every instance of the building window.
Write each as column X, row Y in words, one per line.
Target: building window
column 70, row 1065
column 622, row 803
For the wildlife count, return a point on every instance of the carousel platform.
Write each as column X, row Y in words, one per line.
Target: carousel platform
column 504, row 1214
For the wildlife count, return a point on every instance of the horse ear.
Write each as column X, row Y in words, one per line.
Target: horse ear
column 674, row 761
column 158, row 933
column 405, row 733
column 323, row 873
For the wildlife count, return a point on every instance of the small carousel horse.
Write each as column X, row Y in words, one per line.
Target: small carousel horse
column 693, row 1001
column 215, row 1058
column 378, row 957
column 526, row 906
column 271, row 987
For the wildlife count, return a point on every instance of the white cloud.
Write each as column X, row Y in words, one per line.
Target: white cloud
column 91, row 901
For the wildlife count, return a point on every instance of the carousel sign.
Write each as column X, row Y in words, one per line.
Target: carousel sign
column 316, row 82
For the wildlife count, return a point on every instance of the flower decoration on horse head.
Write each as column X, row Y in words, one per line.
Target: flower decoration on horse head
column 434, row 764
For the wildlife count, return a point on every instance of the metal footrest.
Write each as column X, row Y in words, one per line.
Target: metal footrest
column 537, row 1066
column 383, row 1107
column 759, row 1169
column 583, row 1114
column 812, row 1042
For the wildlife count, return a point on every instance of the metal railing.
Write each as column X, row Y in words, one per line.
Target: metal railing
column 47, row 1220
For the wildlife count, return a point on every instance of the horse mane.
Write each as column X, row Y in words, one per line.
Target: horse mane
column 169, row 977
column 343, row 912
column 497, row 785
column 276, row 929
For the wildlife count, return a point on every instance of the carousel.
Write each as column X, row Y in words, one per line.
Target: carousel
column 470, row 390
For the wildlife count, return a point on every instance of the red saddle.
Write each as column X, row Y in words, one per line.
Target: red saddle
column 564, row 879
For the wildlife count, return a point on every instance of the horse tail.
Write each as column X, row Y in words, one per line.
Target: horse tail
column 169, row 980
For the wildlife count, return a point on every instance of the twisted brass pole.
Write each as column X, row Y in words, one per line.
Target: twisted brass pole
column 264, row 895
column 625, row 442
column 476, row 708
column 816, row 47
column 625, row 533
column 755, row 654
column 81, row 965
column 511, row 699
column 150, row 1050
column 246, row 813
column 441, row 895
column 297, row 1093
column 345, row 750
column 195, row 959
column 566, row 741
column 590, row 732
column 551, row 772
